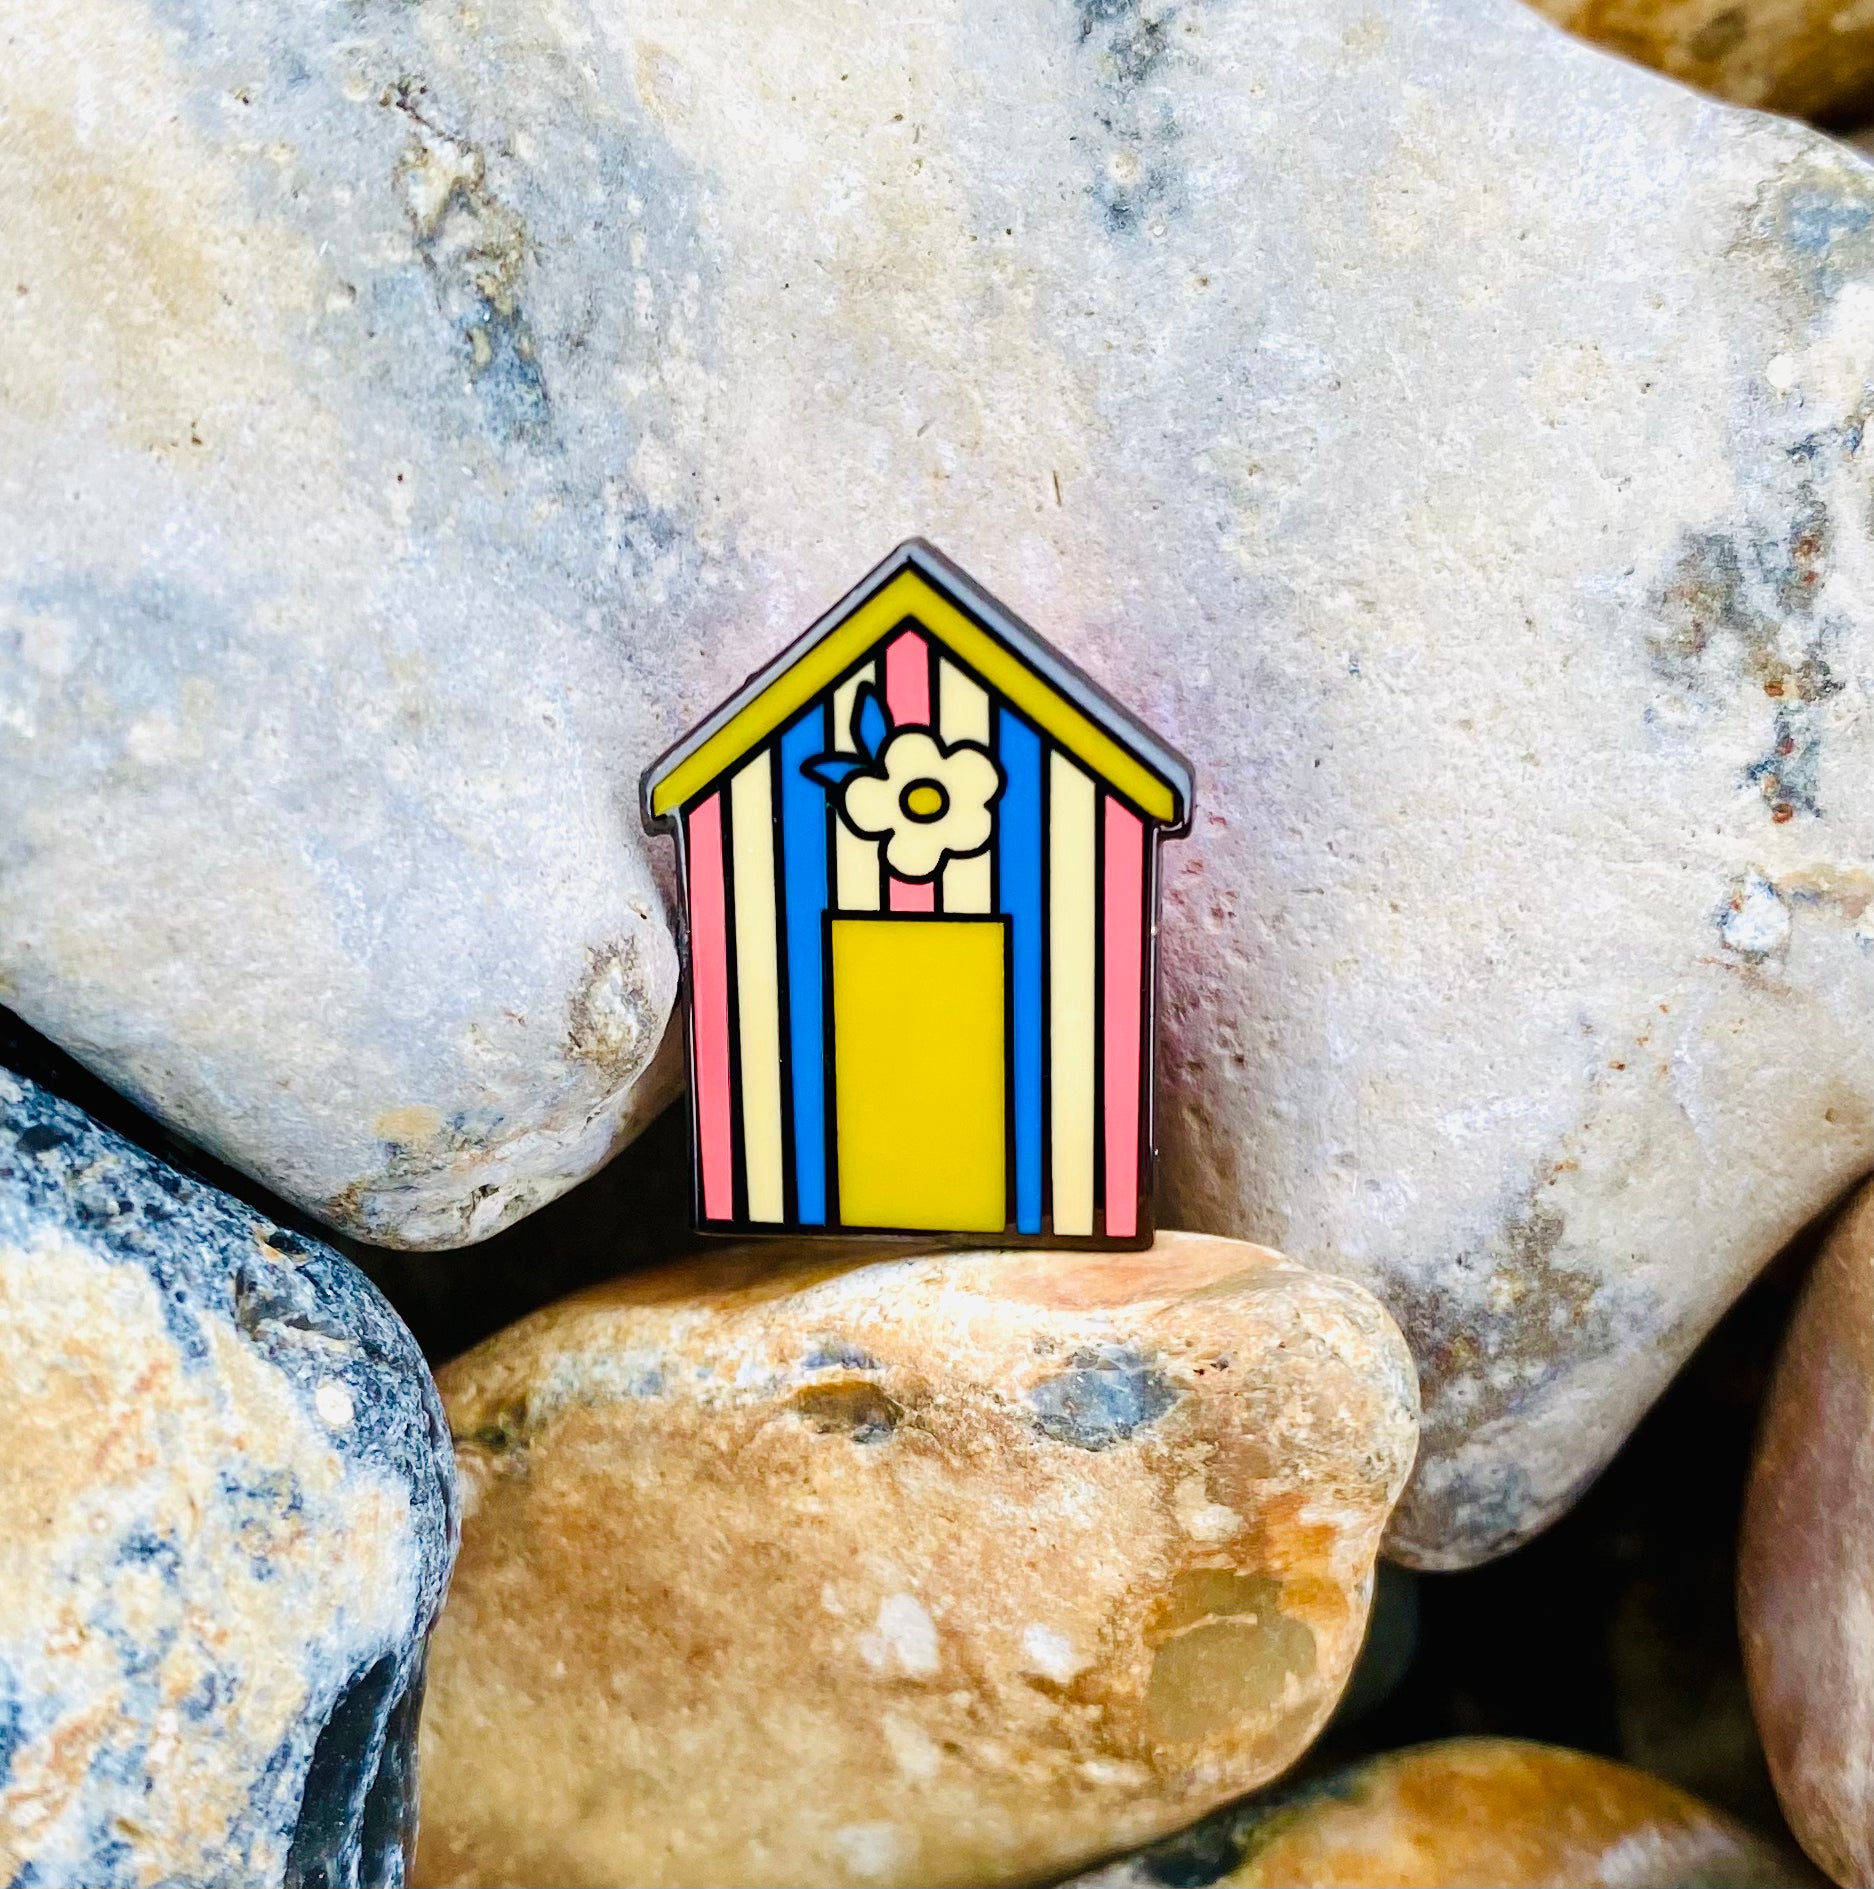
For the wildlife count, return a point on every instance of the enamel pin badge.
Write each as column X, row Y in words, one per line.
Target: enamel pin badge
column 919, row 858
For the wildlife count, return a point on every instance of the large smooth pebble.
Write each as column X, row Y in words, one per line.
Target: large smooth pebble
column 943, row 1570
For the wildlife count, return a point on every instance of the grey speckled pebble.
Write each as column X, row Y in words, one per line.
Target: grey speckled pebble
column 227, row 1519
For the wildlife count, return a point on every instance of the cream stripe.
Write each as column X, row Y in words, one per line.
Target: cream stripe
column 856, row 866
column 1071, row 922
column 963, row 715
column 758, row 985
column 962, row 706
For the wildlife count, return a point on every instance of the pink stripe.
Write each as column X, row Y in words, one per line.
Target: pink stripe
column 709, row 1009
column 907, row 696
column 907, row 679
column 1123, row 999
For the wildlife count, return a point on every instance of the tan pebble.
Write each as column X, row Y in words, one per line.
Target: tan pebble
column 1470, row 1813
column 902, row 1571
column 1809, row 58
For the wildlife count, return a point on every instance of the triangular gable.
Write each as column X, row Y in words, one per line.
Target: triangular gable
column 918, row 581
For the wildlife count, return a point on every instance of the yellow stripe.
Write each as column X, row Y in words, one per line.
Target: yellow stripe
column 857, row 868
column 758, row 986
column 1071, row 801
column 909, row 595
column 963, row 715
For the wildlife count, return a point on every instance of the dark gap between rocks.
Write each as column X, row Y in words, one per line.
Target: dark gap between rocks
column 1615, row 1631
column 347, row 1762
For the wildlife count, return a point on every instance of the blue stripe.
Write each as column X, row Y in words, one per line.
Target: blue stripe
column 1018, row 875
column 804, row 881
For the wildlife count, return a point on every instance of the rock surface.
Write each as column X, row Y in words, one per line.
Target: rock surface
column 1493, row 1813
column 1809, row 58
column 1450, row 437
column 226, row 1523
column 937, row 1570
column 1806, row 1558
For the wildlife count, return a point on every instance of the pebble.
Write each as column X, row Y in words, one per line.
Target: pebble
column 954, row 1569
column 1806, row 1557
column 1468, row 1813
column 226, row 1524
column 1809, row 58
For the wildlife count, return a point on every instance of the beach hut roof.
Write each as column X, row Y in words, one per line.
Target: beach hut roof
column 917, row 580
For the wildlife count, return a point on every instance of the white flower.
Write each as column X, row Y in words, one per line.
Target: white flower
column 928, row 803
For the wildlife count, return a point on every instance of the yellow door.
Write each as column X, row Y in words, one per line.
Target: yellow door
column 917, row 1072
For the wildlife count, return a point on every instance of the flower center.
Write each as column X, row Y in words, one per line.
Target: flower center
column 924, row 801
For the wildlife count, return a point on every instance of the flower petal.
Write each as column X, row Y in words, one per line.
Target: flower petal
column 965, row 829
column 911, row 755
column 971, row 775
column 914, row 851
column 870, row 804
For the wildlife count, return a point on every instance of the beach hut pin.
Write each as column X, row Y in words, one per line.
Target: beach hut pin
column 919, row 856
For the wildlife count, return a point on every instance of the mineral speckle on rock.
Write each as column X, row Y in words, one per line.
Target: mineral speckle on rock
column 1449, row 436
column 1806, row 1558
column 810, row 1566
column 226, row 1524
column 1499, row 1813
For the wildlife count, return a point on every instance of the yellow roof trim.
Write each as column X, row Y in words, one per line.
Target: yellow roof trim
column 908, row 594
